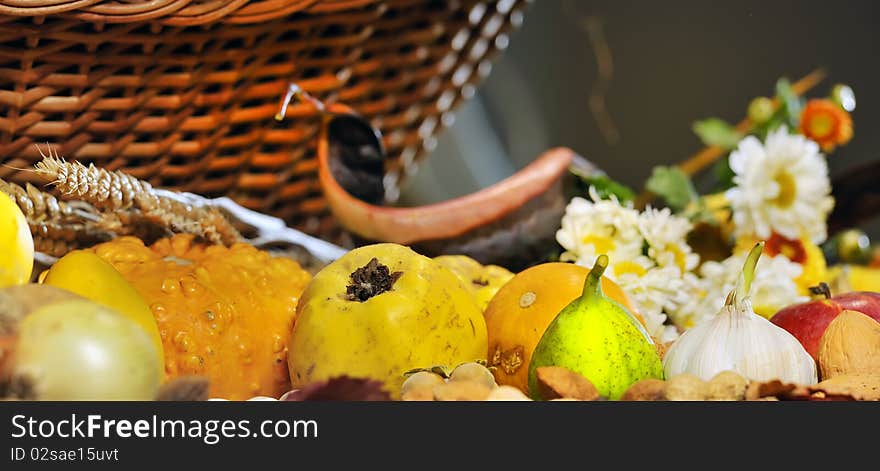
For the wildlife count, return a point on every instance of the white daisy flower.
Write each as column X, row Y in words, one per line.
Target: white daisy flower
column 782, row 185
column 773, row 288
column 666, row 235
column 654, row 292
column 648, row 253
column 593, row 228
column 693, row 308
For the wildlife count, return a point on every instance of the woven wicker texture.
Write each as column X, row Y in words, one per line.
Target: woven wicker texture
column 182, row 93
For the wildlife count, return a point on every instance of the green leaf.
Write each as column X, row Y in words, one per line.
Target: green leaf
column 673, row 185
column 605, row 187
column 778, row 119
column 791, row 103
column 716, row 132
column 723, row 174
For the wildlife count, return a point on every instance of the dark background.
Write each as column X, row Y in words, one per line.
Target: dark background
column 674, row 63
column 470, row 435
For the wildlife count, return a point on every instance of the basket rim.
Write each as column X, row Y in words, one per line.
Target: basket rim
column 175, row 12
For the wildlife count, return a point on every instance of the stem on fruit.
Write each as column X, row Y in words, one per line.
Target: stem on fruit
column 593, row 283
column 744, row 286
column 370, row 280
column 823, row 291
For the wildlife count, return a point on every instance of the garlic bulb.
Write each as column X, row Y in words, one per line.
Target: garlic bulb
column 739, row 340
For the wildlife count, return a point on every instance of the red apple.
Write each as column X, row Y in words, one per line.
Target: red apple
column 808, row 321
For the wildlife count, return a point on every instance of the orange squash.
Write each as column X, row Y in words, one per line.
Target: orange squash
column 222, row 312
column 524, row 307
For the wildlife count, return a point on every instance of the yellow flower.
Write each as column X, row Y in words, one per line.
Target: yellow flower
column 719, row 206
column 629, row 266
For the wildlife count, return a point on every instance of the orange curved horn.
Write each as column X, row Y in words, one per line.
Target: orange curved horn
column 443, row 220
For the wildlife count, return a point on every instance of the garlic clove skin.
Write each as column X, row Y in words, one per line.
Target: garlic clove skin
column 744, row 342
column 739, row 340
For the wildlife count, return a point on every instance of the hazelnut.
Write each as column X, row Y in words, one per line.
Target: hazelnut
column 727, row 386
column 461, row 391
column 507, row 393
column 686, row 387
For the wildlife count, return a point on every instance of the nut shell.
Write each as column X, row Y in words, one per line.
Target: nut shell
column 727, row 386
column 650, row 389
column 850, row 346
column 461, row 391
column 507, row 393
column 686, row 387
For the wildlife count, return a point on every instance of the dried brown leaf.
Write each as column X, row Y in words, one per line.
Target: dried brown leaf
column 18, row 387
column 650, row 389
column 185, row 388
column 341, row 388
column 775, row 388
column 778, row 390
column 860, row 387
column 556, row 382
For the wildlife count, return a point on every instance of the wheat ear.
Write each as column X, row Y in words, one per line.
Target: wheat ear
column 54, row 247
column 39, row 206
column 51, row 219
column 118, row 191
column 104, row 189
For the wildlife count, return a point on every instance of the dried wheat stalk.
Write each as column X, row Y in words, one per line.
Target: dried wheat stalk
column 110, row 191
column 50, row 219
column 38, row 205
column 119, row 192
column 71, row 232
column 54, row 247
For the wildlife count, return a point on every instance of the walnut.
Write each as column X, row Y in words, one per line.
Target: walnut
column 850, row 345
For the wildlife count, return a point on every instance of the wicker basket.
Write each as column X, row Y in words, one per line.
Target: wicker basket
column 182, row 93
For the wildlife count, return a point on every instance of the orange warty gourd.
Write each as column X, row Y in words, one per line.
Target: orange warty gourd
column 524, row 307
column 222, row 312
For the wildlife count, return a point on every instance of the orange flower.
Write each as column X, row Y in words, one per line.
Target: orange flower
column 826, row 123
column 793, row 249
